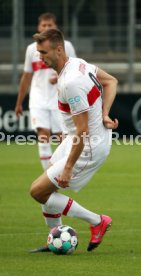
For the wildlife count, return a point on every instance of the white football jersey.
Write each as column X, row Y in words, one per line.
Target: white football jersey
column 43, row 94
column 80, row 91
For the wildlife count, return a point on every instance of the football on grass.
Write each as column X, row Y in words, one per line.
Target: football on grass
column 62, row 240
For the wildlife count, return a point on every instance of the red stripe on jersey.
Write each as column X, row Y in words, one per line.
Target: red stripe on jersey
column 63, row 106
column 92, row 97
column 70, row 201
column 51, row 215
column 38, row 65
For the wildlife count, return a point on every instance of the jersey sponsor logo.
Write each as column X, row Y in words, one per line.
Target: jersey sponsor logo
column 82, row 68
column 74, row 100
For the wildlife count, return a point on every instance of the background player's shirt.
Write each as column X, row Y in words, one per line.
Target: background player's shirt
column 80, row 91
column 43, row 94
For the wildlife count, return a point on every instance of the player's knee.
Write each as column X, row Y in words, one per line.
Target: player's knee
column 43, row 135
column 34, row 192
column 38, row 194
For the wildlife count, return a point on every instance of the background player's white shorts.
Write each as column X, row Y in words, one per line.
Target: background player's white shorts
column 88, row 163
column 45, row 118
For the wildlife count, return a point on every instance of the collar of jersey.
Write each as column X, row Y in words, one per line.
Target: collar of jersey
column 64, row 67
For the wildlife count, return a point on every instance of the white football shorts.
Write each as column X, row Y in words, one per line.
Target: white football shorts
column 86, row 166
column 46, row 118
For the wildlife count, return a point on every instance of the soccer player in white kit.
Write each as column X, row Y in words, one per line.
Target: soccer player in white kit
column 43, row 101
column 85, row 111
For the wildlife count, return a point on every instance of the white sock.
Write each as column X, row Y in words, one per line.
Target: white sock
column 52, row 218
column 62, row 204
column 45, row 153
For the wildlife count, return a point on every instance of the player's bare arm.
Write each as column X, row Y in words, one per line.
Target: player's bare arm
column 81, row 123
column 23, row 88
column 109, row 84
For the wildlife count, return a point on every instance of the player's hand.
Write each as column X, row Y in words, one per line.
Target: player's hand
column 64, row 178
column 109, row 123
column 53, row 79
column 18, row 110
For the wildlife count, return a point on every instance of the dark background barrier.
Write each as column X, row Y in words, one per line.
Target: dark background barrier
column 9, row 124
column 126, row 108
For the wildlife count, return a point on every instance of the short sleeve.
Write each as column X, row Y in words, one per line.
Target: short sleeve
column 70, row 51
column 28, row 60
column 76, row 98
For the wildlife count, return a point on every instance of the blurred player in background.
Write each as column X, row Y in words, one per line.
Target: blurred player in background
column 43, row 100
column 85, row 112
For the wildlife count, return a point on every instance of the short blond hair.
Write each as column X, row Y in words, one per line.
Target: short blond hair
column 54, row 36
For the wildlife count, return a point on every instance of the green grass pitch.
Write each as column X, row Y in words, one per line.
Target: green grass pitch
column 115, row 190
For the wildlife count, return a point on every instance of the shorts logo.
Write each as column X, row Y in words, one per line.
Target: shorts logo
column 74, row 100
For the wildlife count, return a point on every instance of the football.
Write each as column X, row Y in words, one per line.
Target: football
column 62, row 240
